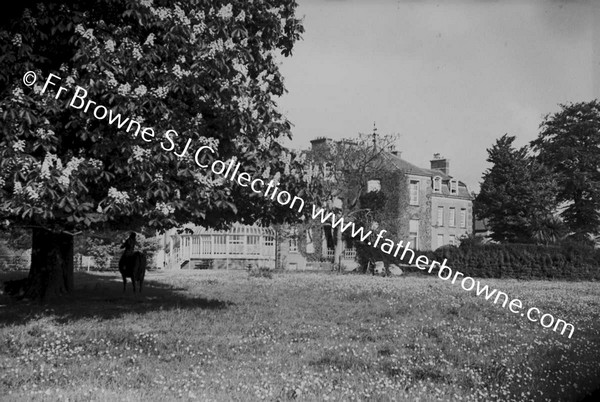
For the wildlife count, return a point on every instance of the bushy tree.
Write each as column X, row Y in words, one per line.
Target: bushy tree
column 550, row 230
column 517, row 193
column 569, row 145
column 206, row 69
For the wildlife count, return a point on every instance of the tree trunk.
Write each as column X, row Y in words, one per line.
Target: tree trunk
column 51, row 272
column 339, row 245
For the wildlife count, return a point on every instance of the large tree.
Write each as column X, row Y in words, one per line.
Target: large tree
column 517, row 193
column 206, row 69
column 569, row 144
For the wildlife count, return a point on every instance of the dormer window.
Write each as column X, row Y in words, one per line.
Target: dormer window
column 437, row 184
column 454, row 187
column 373, row 185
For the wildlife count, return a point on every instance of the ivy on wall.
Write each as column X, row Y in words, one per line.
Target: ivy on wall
column 389, row 208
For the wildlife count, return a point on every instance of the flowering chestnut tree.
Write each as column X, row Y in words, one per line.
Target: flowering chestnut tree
column 207, row 70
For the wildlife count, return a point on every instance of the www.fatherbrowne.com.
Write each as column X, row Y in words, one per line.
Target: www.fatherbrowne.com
column 444, row 272
column 100, row 112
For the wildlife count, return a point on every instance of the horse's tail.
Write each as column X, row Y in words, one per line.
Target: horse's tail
column 122, row 265
column 140, row 266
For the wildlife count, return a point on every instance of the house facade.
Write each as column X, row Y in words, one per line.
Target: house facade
column 444, row 208
column 427, row 206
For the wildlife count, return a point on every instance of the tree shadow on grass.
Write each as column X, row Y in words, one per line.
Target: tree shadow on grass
column 102, row 297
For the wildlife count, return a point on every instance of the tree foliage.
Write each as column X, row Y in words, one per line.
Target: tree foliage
column 550, row 230
column 569, row 145
column 345, row 167
column 517, row 193
column 207, row 70
column 192, row 73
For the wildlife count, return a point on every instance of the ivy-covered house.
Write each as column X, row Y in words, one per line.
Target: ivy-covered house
column 426, row 206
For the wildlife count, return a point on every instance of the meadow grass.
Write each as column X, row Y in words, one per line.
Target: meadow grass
column 225, row 335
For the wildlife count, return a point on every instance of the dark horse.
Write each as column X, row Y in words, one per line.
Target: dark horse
column 133, row 266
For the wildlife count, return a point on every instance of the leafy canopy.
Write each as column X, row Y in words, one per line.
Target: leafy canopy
column 206, row 69
column 569, row 145
column 517, row 193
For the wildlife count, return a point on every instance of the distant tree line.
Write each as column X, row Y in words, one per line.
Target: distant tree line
column 548, row 191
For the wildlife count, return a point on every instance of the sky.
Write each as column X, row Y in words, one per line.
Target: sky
column 449, row 77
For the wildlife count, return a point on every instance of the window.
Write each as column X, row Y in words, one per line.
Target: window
column 186, row 245
column 440, row 240
column 327, row 169
column 414, row 192
column 293, row 240
column 453, row 240
column 373, row 185
column 195, row 245
column 293, row 243
column 463, row 218
column 220, row 244
column 452, row 217
column 205, row 245
column 440, row 216
column 269, row 241
column 437, row 184
column 413, row 227
column 310, row 248
column 453, row 187
column 253, row 244
column 236, row 244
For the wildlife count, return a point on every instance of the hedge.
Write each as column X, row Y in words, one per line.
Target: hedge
column 571, row 261
column 523, row 261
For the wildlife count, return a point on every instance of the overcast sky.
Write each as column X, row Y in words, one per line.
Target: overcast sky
column 450, row 76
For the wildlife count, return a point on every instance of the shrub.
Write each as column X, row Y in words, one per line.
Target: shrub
column 254, row 271
column 567, row 260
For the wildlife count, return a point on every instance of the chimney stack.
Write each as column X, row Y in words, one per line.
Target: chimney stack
column 320, row 144
column 440, row 163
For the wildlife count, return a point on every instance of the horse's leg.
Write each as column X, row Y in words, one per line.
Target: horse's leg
column 142, row 271
column 124, row 283
column 134, row 269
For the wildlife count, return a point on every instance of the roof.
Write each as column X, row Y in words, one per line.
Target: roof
column 235, row 229
column 463, row 192
column 409, row 168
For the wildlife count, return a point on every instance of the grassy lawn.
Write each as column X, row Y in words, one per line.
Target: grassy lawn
column 222, row 335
